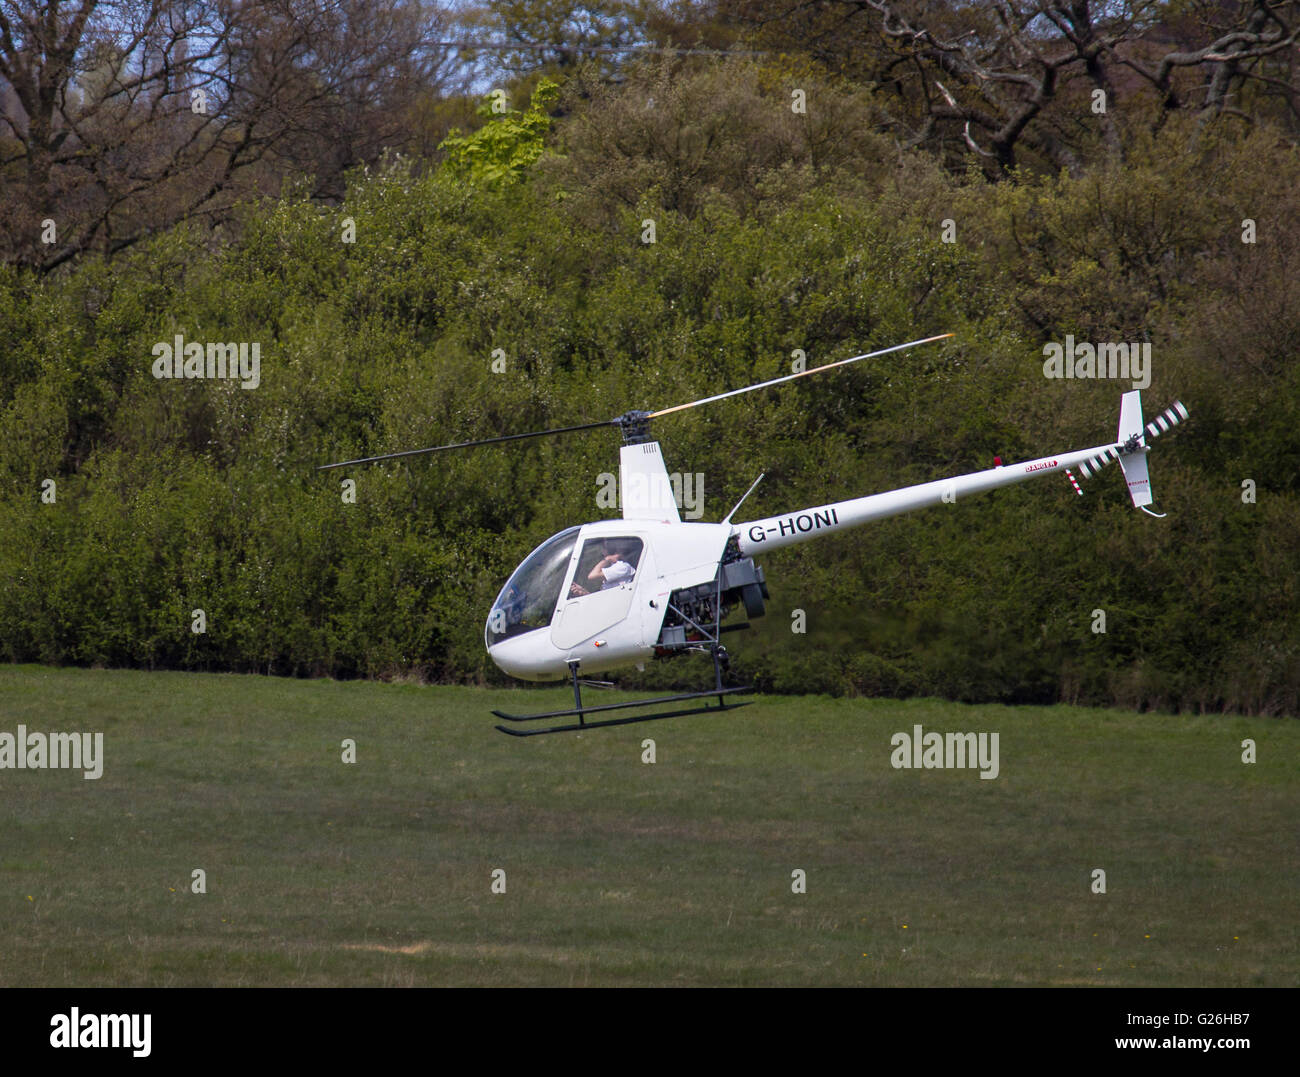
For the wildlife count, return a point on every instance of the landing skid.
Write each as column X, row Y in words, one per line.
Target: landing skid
column 581, row 712
column 583, row 724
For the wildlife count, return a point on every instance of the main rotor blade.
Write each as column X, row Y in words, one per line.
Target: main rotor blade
column 469, row 444
column 801, row 374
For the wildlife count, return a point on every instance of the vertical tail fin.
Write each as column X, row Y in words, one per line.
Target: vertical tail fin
column 1133, row 449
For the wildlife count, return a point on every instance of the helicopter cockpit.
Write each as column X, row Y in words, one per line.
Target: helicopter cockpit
column 528, row 599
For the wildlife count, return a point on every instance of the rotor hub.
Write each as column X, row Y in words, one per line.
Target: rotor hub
column 635, row 426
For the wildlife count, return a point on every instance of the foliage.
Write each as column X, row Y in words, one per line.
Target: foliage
column 464, row 310
column 504, row 148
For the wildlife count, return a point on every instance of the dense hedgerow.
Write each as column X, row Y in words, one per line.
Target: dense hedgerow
column 172, row 496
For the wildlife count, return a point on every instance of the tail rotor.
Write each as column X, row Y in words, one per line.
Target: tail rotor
column 1132, row 448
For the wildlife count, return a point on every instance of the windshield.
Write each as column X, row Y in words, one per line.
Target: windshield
column 528, row 599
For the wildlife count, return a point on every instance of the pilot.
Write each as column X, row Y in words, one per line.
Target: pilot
column 613, row 569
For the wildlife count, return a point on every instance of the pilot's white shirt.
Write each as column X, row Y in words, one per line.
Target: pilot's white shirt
column 618, row 572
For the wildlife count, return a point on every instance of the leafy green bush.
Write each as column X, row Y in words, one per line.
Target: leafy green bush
column 426, row 308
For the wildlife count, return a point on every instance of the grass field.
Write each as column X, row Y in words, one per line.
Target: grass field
column 379, row 872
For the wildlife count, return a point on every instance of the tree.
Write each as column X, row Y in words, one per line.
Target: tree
column 1047, row 76
column 502, row 150
column 553, row 35
column 118, row 117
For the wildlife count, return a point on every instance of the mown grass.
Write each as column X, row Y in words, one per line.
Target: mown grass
column 618, row 872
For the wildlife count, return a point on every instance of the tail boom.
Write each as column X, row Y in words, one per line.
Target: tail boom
column 771, row 533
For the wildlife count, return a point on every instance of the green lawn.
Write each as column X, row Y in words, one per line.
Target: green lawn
column 379, row 872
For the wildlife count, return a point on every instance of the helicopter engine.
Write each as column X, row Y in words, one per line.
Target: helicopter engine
column 690, row 609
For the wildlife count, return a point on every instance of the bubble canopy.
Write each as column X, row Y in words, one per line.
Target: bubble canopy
column 527, row 601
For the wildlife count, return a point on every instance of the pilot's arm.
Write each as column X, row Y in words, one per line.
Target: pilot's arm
column 598, row 573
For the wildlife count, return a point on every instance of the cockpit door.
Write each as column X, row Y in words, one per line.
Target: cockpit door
column 600, row 589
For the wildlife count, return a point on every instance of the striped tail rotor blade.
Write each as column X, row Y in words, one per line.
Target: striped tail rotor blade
column 1090, row 467
column 1167, row 419
column 1073, row 482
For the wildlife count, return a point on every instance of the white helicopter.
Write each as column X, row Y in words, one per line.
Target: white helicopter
column 649, row 585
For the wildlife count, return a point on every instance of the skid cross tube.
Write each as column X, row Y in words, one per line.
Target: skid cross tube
column 577, row 689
